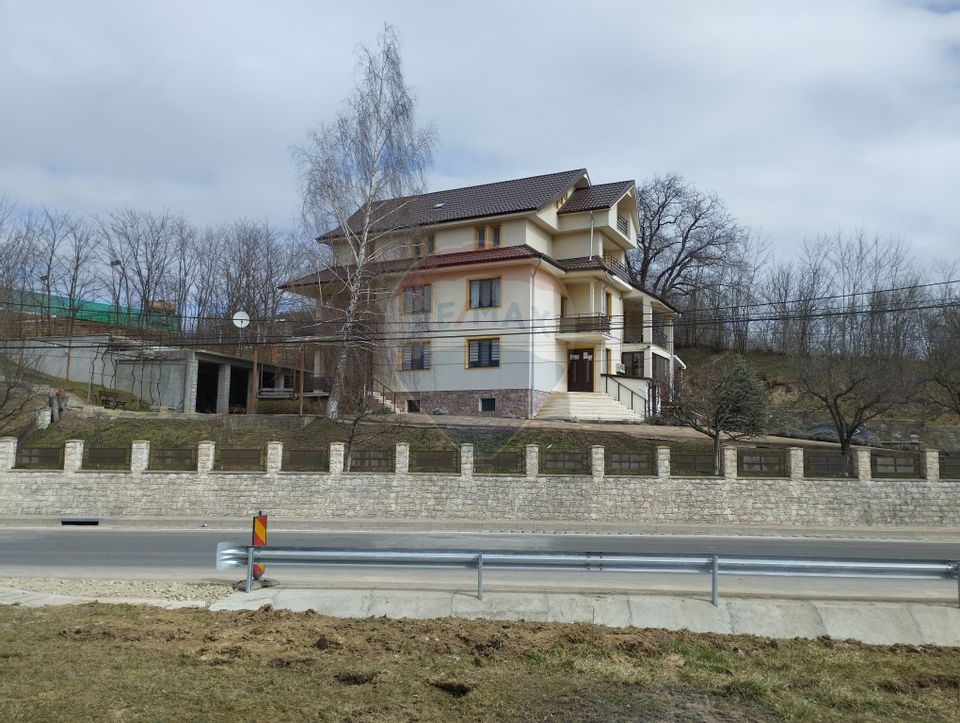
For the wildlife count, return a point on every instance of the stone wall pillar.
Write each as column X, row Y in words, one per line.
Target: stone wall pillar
column 402, row 464
column 8, row 452
column 139, row 456
column 598, row 461
column 862, row 461
column 796, row 463
column 533, row 461
column 72, row 455
column 932, row 464
column 466, row 461
column 274, row 457
column 663, row 462
column 337, row 452
column 206, row 455
column 223, row 389
column 44, row 415
column 729, row 459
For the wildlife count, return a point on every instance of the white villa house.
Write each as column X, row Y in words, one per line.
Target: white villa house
column 513, row 299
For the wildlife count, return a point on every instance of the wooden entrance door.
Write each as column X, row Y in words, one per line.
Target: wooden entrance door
column 580, row 370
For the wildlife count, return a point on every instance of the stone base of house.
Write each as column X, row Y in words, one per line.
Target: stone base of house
column 506, row 402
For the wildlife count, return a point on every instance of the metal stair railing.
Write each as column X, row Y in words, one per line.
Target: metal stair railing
column 230, row 555
column 622, row 391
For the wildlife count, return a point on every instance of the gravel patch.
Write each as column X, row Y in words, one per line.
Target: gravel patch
column 177, row 591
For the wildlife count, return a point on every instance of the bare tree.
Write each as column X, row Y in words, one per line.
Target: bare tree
column 861, row 356
column 942, row 344
column 140, row 245
column 685, row 236
column 372, row 151
column 76, row 279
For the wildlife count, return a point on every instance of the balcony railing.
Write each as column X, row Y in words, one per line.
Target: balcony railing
column 584, row 322
column 622, row 225
column 660, row 337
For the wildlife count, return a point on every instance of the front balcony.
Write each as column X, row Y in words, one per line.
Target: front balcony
column 584, row 327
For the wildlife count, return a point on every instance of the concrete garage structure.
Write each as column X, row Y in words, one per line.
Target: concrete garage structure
column 169, row 377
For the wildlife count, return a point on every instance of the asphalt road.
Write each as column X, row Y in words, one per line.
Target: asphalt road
column 81, row 551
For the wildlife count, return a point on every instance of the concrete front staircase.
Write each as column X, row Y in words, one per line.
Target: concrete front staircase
column 388, row 404
column 586, row 407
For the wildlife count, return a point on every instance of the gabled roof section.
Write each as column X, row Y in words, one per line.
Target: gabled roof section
column 603, row 195
column 462, row 204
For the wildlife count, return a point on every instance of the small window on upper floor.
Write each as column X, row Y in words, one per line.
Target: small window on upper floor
column 487, row 236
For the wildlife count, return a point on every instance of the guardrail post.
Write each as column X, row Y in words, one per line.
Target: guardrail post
column 139, row 456
column 466, row 461
column 863, row 464
column 729, row 453
column 796, row 463
column 479, row 576
column 72, row 455
column 274, row 457
column 932, row 464
column 206, row 454
column 715, row 581
column 8, row 452
column 533, row 461
column 663, row 462
column 403, row 458
column 337, row 452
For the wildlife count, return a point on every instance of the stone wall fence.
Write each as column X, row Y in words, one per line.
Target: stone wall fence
column 770, row 486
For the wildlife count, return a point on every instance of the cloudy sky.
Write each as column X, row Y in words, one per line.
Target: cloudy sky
column 807, row 117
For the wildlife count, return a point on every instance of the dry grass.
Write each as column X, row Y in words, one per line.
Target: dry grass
column 127, row 663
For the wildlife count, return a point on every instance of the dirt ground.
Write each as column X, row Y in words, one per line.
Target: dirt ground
column 134, row 663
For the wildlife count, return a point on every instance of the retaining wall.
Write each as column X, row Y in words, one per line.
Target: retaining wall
column 789, row 501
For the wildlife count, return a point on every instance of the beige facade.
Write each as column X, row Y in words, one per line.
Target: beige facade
column 523, row 305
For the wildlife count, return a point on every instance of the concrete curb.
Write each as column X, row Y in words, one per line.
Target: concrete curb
column 868, row 622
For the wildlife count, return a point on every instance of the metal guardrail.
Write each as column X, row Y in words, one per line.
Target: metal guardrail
column 230, row 555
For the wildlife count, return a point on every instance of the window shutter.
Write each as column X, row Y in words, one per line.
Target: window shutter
column 426, row 353
column 495, row 352
column 474, row 294
column 474, row 353
column 494, row 292
column 407, row 356
column 426, row 297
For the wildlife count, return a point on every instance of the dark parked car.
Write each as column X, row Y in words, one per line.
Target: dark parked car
column 828, row 433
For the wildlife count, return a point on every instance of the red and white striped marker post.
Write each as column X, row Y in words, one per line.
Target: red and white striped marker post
column 259, row 540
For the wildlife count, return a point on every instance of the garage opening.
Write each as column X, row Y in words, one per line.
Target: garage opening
column 207, row 387
column 239, row 386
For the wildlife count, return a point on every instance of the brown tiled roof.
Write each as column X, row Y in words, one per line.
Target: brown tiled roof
column 603, row 195
column 460, row 258
column 461, row 204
